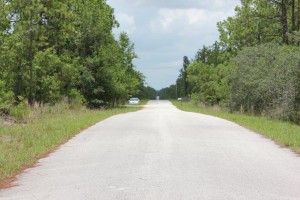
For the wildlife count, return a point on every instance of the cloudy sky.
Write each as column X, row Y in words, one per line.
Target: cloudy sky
column 164, row 31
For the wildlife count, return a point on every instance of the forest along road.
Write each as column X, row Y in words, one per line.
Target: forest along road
column 163, row 153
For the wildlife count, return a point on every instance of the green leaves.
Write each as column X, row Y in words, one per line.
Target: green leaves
column 255, row 68
column 265, row 80
column 255, row 22
column 208, row 74
column 55, row 47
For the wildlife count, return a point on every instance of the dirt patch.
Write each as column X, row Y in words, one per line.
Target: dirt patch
column 6, row 121
column 7, row 183
column 5, row 138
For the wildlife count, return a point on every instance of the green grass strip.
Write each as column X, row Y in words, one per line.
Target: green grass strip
column 283, row 133
column 22, row 145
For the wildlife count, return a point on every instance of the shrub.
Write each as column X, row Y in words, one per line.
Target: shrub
column 76, row 100
column 266, row 81
column 196, row 98
column 21, row 111
column 6, row 100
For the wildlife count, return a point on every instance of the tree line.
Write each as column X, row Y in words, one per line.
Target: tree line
column 52, row 49
column 254, row 67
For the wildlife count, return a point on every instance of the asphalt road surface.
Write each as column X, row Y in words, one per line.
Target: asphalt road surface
column 162, row 153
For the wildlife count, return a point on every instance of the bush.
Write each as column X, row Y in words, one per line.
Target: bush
column 210, row 81
column 21, row 111
column 196, row 98
column 76, row 100
column 266, row 81
column 6, row 100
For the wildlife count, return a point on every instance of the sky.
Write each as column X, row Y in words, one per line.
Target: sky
column 163, row 31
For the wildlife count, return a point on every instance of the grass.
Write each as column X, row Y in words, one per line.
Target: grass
column 21, row 145
column 283, row 133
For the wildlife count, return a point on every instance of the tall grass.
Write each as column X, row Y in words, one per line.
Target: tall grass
column 283, row 133
column 22, row 144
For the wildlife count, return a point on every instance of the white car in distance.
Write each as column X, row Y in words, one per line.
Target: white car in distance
column 134, row 101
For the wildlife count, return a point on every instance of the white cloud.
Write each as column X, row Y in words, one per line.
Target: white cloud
column 186, row 20
column 164, row 31
column 202, row 4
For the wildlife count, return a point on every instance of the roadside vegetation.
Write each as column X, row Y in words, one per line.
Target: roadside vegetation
column 43, row 130
column 50, row 50
column 253, row 69
column 252, row 74
column 61, row 70
column 283, row 133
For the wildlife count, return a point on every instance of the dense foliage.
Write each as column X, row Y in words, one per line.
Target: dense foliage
column 170, row 92
column 55, row 49
column 147, row 92
column 255, row 67
column 266, row 80
column 208, row 75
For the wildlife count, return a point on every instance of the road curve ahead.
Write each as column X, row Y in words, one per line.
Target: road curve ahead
column 161, row 153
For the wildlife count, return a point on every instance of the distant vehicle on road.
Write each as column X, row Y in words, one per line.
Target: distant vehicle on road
column 134, row 101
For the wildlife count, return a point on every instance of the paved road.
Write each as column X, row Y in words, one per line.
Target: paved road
column 163, row 153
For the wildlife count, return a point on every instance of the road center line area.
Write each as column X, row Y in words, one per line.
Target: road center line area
column 163, row 153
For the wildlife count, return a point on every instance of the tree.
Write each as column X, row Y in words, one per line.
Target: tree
column 168, row 92
column 282, row 5
column 50, row 49
column 186, row 63
column 269, row 83
column 208, row 74
column 256, row 22
column 146, row 92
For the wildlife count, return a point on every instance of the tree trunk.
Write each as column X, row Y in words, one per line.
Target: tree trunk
column 19, row 80
column 293, row 16
column 284, row 22
column 298, row 16
column 184, row 82
column 186, row 62
column 31, row 57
